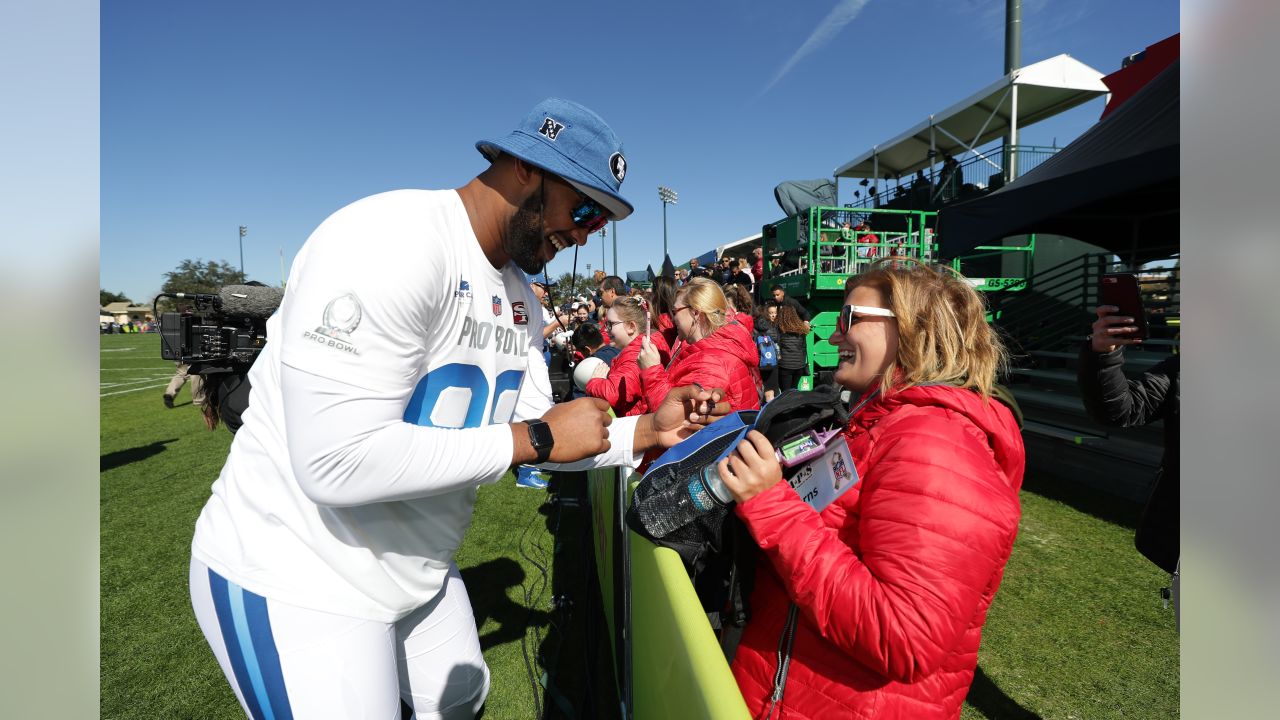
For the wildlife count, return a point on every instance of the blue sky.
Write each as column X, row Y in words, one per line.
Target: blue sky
column 274, row 115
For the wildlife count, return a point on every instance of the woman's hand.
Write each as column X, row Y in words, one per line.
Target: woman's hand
column 648, row 354
column 601, row 370
column 751, row 468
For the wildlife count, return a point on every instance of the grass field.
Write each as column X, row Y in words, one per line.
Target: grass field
column 1077, row 630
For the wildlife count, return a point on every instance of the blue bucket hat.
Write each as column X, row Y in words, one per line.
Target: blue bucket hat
column 567, row 139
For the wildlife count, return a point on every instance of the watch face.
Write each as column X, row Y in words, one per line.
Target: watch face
column 540, row 435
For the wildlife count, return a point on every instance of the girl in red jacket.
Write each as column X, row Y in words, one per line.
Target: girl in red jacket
column 619, row 383
column 714, row 352
column 883, row 594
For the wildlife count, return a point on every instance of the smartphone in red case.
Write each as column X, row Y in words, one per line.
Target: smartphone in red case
column 1122, row 291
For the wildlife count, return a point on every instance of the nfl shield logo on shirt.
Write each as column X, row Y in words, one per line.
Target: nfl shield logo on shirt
column 497, row 305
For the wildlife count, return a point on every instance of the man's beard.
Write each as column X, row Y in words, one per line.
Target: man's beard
column 523, row 239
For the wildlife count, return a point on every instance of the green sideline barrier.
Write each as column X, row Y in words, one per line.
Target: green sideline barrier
column 670, row 652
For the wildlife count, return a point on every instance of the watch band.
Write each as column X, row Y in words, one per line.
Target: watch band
column 541, row 439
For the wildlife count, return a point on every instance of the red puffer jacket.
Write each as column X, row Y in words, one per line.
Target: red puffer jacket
column 894, row 578
column 727, row 358
column 668, row 330
column 621, row 387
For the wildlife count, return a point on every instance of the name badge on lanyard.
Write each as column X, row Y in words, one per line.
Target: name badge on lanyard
column 818, row 465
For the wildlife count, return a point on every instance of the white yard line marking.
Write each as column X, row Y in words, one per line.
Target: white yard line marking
column 121, row 392
column 126, row 383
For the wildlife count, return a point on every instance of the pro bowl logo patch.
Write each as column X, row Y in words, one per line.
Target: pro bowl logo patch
column 341, row 317
column 618, row 166
column 464, row 290
column 497, row 305
column 518, row 314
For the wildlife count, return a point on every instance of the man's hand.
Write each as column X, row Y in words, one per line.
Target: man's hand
column 751, row 468
column 580, row 429
column 648, row 354
column 686, row 410
column 1103, row 338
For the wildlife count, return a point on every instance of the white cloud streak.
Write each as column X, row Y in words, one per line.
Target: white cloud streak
column 842, row 14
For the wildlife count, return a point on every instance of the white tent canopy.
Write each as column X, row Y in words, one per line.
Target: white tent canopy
column 739, row 248
column 1025, row 96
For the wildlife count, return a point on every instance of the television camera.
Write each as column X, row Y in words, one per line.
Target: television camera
column 229, row 328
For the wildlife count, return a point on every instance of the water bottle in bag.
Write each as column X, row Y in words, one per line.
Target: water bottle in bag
column 680, row 503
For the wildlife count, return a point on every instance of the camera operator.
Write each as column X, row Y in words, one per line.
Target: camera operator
column 180, row 378
column 214, row 344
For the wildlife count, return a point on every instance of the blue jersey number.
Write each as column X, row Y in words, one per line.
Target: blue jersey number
column 457, row 396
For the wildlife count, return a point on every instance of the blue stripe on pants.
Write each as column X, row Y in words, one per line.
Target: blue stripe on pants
column 246, row 631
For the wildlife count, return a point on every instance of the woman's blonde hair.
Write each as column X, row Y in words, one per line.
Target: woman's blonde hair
column 943, row 334
column 707, row 299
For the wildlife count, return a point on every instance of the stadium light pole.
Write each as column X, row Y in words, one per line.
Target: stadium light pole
column 615, row 247
column 668, row 197
column 604, row 233
column 243, row 229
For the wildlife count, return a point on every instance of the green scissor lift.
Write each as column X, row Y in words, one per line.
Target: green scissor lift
column 821, row 251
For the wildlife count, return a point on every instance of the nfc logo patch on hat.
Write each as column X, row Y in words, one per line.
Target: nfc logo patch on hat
column 618, row 166
column 550, row 128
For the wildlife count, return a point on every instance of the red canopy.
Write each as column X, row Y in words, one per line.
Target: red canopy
column 1138, row 70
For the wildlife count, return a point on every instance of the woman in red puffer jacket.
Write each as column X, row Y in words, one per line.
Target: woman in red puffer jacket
column 712, row 352
column 885, row 591
column 618, row 384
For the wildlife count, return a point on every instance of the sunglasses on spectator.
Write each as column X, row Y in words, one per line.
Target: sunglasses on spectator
column 848, row 318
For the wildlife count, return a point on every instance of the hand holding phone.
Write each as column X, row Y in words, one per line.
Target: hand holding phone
column 1121, row 317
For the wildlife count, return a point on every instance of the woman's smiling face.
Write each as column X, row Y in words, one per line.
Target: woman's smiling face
column 869, row 346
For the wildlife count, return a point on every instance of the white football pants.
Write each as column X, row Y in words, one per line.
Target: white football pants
column 286, row 662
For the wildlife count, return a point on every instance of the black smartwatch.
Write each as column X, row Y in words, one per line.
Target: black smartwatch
column 541, row 438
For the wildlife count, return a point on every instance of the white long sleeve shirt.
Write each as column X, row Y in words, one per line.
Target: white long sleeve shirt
column 379, row 404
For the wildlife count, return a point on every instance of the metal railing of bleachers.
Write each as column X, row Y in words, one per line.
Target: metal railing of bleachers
column 1053, row 307
column 982, row 171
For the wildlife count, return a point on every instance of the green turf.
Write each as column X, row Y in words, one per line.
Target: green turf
column 1076, row 631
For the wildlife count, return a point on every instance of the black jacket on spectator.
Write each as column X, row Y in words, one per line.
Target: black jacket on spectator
column 792, row 353
column 743, row 279
column 1112, row 399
